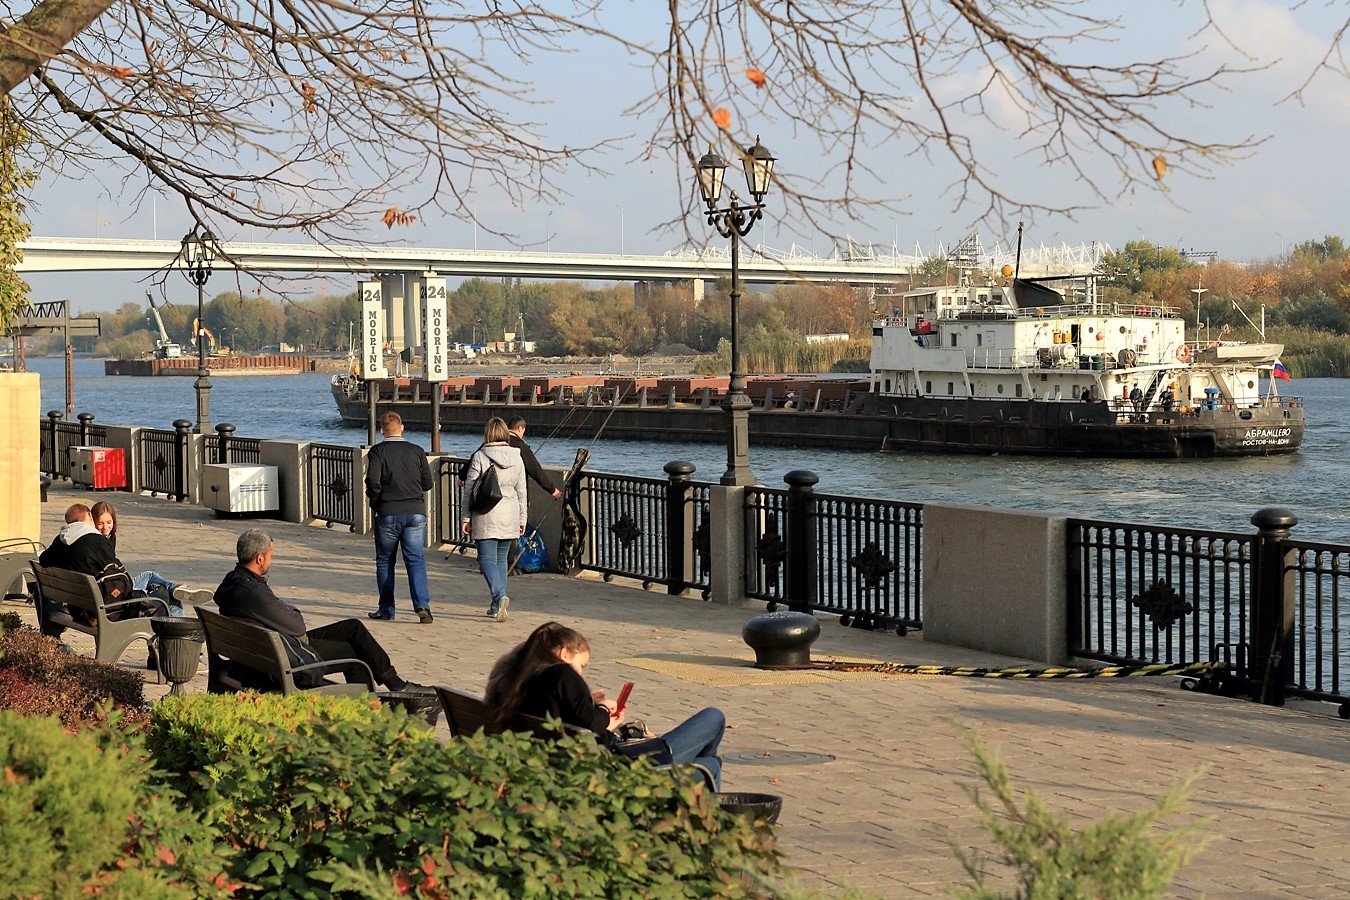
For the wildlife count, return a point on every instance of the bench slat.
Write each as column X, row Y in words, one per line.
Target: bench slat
column 56, row 588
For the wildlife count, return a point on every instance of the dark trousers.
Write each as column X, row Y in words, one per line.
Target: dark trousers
column 350, row 639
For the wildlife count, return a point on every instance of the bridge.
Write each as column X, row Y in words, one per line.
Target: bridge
column 858, row 263
column 402, row 270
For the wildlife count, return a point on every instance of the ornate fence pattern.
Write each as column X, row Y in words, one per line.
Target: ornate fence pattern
column 57, row 437
column 1321, row 619
column 627, row 527
column 164, row 464
column 447, row 531
column 333, row 484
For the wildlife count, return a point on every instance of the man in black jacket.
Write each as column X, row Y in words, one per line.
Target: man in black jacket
column 79, row 546
column 397, row 481
column 516, row 426
column 245, row 594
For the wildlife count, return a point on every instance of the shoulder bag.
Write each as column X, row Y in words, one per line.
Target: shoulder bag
column 487, row 490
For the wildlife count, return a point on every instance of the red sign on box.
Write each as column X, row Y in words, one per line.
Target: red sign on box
column 101, row 468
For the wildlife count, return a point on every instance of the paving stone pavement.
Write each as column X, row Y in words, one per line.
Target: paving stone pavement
column 879, row 815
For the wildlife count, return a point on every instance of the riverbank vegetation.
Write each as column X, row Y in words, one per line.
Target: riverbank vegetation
column 1302, row 299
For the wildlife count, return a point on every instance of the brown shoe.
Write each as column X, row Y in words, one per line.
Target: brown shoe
column 424, row 616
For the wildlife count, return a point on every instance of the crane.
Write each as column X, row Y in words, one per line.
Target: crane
column 164, row 348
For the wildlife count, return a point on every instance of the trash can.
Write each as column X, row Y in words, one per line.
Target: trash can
column 180, row 640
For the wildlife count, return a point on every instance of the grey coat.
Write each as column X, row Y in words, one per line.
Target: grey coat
column 505, row 520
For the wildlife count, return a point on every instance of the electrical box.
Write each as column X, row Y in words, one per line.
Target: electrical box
column 101, row 468
column 240, row 488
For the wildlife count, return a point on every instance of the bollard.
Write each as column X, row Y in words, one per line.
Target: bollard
column 1272, row 652
column 226, row 431
column 54, row 418
column 182, row 447
column 85, row 420
column 679, row 526
column 800, row 588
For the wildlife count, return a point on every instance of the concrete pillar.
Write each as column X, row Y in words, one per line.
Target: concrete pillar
column 642, row 294
column 698, row 292
column 392, row 288
column 413, row 288
column 20, row 499
column 292, row 462
column 726, row 526
column 993, row 580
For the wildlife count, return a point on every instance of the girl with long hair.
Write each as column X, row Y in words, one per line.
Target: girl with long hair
column 545, row 676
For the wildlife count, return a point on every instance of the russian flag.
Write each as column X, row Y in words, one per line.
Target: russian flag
column 1279, row 371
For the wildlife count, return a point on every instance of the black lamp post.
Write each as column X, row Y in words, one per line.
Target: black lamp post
column 735, row 221
column 196, row 257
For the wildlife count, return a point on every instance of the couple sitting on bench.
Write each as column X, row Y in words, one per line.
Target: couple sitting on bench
column 87, row 544
column 544, row 676
column 246, row 595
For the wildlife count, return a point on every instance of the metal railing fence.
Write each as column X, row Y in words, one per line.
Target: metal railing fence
column 334, row 484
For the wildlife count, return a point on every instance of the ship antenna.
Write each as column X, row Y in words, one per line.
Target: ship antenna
column 1017, row 262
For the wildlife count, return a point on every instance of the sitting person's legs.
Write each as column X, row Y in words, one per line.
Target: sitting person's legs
column 350, row 639
column 697, row 739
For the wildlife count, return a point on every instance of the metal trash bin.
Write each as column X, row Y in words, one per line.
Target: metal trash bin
column 180, row 641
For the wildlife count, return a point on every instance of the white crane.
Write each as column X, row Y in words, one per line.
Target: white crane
column 164, row 348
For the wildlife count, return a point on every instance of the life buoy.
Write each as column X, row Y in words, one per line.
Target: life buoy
column 1184, row 352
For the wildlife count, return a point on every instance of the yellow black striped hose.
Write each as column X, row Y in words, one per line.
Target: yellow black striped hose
column 1196, row 668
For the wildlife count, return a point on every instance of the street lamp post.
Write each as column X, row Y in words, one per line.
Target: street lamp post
column 735, row 221
column 197, row 255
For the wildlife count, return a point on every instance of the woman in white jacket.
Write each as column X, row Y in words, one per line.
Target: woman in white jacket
column 497, row 529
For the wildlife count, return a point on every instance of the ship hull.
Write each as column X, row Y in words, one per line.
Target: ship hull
column 874, row 422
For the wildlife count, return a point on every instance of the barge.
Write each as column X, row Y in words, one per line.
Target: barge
column 1039, row 367
column 273, row 364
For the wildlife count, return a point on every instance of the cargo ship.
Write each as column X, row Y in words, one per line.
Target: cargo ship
column 1034, row 366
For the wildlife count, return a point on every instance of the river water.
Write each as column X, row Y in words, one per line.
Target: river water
column 1220, row 494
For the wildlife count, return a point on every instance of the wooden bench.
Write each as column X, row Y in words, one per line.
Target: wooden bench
column 17, row 556
column 59, row 590
column 263, row 651
column 466, row 715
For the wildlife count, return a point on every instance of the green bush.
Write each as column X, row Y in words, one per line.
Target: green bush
column 339, row 801
column 77, row 817
column 38, row 678
column 1121, row 857
column 197, row 732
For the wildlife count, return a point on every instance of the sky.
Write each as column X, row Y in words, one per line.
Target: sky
column 1289, row 189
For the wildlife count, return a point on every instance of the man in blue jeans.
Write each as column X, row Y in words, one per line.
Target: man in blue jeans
column 397, row 481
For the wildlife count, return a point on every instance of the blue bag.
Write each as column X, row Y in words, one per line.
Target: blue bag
column 531, row 554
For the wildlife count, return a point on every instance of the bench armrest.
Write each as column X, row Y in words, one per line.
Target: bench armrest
column 327, row 665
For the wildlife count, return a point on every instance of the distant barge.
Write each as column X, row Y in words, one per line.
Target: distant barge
column 275, row 364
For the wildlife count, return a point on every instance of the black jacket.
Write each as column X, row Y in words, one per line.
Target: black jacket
column 78, row 547
column 533, row 470
column 559, row 691
column 244, row 595
column 397, row 478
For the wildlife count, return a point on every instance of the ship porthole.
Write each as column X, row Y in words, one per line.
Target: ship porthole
column 1000, row 388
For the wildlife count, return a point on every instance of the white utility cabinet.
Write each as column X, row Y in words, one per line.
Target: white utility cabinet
column 240, row 488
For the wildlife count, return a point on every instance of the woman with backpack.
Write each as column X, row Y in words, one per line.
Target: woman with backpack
column 493, row 506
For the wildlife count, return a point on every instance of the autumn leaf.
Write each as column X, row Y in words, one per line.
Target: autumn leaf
column 121, row 72
column 165, row 854
column 309, row 93
column 1159, row 167
column 756, row 77
column 722, row 117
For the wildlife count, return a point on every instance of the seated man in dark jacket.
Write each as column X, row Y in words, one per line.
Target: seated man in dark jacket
column 78, row 546
column 245, row 594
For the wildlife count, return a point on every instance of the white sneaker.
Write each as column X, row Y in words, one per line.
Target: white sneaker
column 186, row 595
column 501, row 609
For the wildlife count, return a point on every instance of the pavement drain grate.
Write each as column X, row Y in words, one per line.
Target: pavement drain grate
column 778, row 757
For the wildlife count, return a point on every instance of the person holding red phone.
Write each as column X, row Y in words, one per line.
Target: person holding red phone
column 545, row 676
